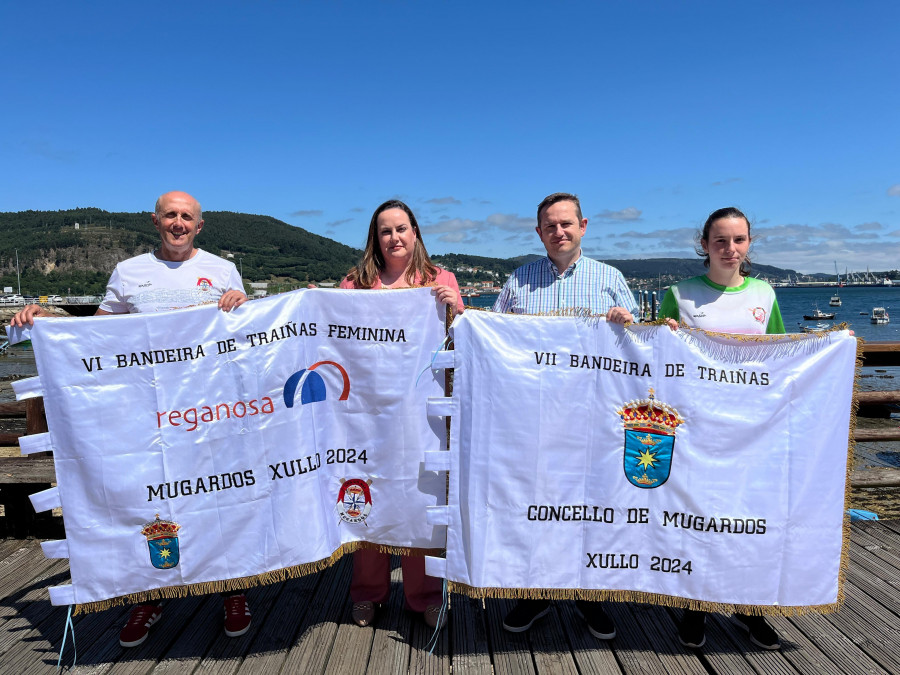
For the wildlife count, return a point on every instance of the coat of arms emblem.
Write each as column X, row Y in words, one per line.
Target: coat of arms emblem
column 650, row 428
column 354, row 500
column 162, row 540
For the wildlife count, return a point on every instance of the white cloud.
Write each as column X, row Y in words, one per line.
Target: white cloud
column 806, row 248
column 511, row 222
column 453, row 238
column 335, row 223
column 681, row 238
column 629, row 214
column 894, row 190
column 452, row 225
column 480, row 232
column 456, row 231
column 802, row 247
column 869, row 227
column 305, row 213
column 443, row 200
column 726, row 181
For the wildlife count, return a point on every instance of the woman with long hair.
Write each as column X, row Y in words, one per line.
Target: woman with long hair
column 395, row 257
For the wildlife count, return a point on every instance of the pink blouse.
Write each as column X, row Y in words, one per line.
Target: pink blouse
column 443, row 278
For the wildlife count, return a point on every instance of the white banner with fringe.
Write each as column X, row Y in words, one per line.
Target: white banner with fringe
column 198, row 450
column 681, row 468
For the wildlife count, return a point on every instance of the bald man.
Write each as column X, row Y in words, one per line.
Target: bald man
column 173, row 276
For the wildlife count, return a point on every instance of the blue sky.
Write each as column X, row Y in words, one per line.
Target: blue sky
column 654, row 113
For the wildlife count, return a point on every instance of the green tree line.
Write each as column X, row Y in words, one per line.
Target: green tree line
column 54, row 257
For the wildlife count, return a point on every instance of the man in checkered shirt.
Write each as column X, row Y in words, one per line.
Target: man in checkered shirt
column 565, row 279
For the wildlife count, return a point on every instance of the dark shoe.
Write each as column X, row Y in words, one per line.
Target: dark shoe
column 761, row 633
column 138, row 626
column 598, row 622
column 524, row 614
column 435, row 616
column 237, row 615
column 692, row 630
column 363, row 613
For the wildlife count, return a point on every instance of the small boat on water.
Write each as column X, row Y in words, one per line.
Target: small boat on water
column 819, row 315
column 836, row 298
column 879, row 315
column 818, row 328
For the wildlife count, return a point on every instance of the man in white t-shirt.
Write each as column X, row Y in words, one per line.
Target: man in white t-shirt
column 176, row 275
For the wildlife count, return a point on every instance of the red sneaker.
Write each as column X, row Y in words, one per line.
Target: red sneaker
column 237, row 615
column 138, row 626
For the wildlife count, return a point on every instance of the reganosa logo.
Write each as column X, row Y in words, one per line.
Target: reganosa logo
column 312, row 387
column 191, row 418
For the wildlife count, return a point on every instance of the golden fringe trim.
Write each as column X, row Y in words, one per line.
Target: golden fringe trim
column 399, row 288
column 738, row 348
column 851, row 461
column 243, row 583
column 577, row 312
column 395, row 550
column 637, row 596
column 768, row 337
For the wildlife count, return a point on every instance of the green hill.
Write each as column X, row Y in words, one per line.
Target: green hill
column 670, row 270
column 55, row 257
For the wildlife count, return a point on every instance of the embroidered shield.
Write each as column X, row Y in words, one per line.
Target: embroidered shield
column 162, row 540
column 650, row 428
column 648, row 458
column 163, row 552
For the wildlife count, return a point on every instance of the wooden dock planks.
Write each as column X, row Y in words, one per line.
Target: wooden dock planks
column 303, row 626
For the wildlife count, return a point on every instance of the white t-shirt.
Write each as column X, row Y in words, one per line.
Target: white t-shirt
column 750, row 308
column 147, row 284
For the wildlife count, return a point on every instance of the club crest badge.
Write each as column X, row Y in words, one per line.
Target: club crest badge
column 203, row 284
column 162, row 540
column 354, row 500
column 650, row 428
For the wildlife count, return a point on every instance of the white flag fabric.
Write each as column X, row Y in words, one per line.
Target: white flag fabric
column 196, row 446
column 681, row 468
